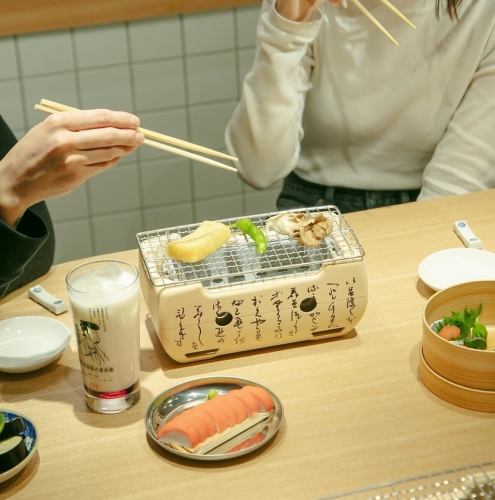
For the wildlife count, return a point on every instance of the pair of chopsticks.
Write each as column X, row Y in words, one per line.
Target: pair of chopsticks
column 158, row 140
column 377, row 23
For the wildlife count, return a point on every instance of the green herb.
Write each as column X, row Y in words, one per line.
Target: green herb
column 2, row 422
column 254, row 232
column 473, row 333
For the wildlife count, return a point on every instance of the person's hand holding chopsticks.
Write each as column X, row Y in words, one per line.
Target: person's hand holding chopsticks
column 303, row 10
column 60, row 153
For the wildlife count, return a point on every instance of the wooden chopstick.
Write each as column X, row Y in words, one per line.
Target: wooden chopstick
column 187, row 154
column 154, row 135
column 184, row 144
column 396, row 11
column 375, row 21
column 53, row 107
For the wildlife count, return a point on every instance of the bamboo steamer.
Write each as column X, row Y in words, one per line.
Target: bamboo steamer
column 466, row 367
column 459, row 395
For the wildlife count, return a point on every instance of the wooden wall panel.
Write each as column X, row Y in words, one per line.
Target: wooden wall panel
column 30, row 16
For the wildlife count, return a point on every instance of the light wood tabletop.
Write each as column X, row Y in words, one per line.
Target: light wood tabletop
column 356, row 413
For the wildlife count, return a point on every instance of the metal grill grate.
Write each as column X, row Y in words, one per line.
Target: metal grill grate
column 471, row 482
column 237, row 261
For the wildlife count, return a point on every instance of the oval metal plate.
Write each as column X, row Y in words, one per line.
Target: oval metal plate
column 188, row 394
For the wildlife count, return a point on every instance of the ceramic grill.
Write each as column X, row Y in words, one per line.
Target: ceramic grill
column 237, row 300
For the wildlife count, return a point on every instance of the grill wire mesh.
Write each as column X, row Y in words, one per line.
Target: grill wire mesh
column 470, row 482
column 237, row 261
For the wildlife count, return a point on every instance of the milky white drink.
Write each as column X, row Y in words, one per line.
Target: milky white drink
column 105, row 308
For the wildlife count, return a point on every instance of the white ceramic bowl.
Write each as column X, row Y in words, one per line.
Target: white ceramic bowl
column 28, row 343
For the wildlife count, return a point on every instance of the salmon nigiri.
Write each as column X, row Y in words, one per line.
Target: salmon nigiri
column 179, row 431
column 262, row 394
column 250, row 401
column 196, row 427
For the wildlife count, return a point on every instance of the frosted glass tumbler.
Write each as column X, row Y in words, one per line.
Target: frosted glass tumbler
column 104, row 300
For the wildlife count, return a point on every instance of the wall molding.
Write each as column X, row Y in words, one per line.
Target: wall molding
column 30, row 16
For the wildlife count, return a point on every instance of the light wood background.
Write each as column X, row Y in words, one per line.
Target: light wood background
column 28, row 16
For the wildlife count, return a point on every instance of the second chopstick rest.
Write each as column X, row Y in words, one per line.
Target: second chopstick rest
column 468, row 238
column 52, row 303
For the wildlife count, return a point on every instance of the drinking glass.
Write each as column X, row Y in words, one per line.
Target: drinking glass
column 104, row 300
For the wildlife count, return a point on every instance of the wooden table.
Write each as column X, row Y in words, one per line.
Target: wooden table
column 356, row 413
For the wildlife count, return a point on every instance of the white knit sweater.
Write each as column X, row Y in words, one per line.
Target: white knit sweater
column 339, row 102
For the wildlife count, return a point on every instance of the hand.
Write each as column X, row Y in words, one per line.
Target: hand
column 300, row 10
column 60, row 153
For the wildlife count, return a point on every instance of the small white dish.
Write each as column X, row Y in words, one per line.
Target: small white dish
column 453, row 266
column 28, row 343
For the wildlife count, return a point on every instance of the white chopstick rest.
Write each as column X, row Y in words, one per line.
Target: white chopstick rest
column 468, row 238
column 52, row 303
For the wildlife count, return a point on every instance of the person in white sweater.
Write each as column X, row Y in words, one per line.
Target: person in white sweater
column 346, row 117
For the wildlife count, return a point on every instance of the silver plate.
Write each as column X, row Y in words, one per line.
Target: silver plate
column 183, row 396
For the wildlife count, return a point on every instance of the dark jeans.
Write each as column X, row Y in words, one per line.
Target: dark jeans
column 298, row 193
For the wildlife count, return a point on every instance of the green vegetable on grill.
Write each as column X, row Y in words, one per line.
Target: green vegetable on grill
column 254, row 232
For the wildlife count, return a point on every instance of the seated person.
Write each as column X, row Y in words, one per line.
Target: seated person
column 52, row 159
column 345, row 117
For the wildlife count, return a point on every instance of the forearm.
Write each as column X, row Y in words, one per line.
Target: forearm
column 12, row 207
column 27, row 251
column 265, row 129
column 464, row 160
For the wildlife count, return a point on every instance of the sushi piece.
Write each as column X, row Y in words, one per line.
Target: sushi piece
column 218, row 414
column 179, row 431
column 214, row 421
column 248, row 400
column 12, row 452
column 208, row 237
column 263, row 396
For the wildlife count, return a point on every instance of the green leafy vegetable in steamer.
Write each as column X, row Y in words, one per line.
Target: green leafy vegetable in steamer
column 472, row 333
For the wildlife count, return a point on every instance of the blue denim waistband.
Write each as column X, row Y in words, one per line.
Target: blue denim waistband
column 298, row 193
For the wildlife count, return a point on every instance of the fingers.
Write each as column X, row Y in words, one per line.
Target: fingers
column 106, row 137
column 93, row 119
column 87, row 130
column 104, row 165
column 97, row 157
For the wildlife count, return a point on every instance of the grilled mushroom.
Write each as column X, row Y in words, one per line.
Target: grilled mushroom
column 308, row 229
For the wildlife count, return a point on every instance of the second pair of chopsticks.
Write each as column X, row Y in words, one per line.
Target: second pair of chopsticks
column 158, row 140
column 377, row 23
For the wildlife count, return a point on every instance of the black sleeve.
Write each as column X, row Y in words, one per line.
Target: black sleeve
column 27, row 251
